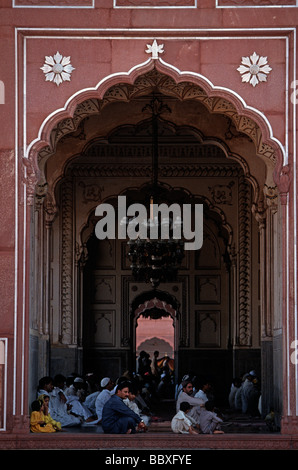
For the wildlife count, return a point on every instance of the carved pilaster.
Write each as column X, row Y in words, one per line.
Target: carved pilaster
column 30, row 178
column 40, row 192
column 233, row 293
column 81, row 258
column 260, row 214
column 283, row 180
column 50, row 210
column 125, row 318
column 271, row 196
column 67, row 257
column 244, row 333
column 81, row 255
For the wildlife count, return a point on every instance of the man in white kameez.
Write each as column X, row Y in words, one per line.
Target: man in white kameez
column 90, row 401
column 108, row 388
column 196, row 403
column 59, row 409
column 57, row 405
column 75, row 396
column 204, row 391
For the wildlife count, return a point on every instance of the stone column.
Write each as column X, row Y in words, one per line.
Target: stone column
column 26, row 197
column 264, row 217
column 80, row 262
column 244, row 265
column 289, row 421
column 67, row 264
column 50, row 212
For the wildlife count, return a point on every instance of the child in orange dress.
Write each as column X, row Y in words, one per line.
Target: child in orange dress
column 37, row 418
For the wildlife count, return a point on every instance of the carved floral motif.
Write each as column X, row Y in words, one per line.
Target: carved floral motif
column 57, row 69
column 91, row 192
column 254, row 69
column 222, row 193
column 154, row 49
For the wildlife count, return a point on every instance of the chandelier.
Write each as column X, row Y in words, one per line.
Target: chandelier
column 156, row 260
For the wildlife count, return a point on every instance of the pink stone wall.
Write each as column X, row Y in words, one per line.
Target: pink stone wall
column 215, row 56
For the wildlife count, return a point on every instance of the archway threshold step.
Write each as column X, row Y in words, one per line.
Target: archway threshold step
column 150, row 441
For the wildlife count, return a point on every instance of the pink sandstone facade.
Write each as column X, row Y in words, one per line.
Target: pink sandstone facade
column 227, row 68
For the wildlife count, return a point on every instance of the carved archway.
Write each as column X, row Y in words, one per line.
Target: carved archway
column 184, row 88
column 142, row 80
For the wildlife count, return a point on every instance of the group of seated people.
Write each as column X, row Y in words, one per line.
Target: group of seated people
column 245, row 394
column 195, row 409
column 123, row 407
column 244, row 398
column 75, row 401
column 119, row 408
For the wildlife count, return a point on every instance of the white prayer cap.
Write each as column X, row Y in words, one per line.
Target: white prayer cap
column 104, row 382
column 185, row 377
column 253, row 373
column 78, row 379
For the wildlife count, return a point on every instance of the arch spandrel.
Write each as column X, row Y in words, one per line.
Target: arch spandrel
column 184, row 87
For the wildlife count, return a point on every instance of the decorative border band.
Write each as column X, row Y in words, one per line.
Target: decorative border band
column 53, row 4
column 155, row 4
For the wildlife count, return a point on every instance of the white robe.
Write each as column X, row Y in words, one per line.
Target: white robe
column 181, row 423
column 134, row 407
column 196, row 404
column 90, row 402
column 101, row 400
column 78, row 407
column 202, row 395
column 58, row 409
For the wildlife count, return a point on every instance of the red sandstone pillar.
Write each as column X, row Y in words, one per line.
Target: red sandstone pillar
column 22, row 293
column 289, row 422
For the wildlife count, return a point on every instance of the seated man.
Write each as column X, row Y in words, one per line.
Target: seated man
column 76, row 395
column 107, row 386
column 117, row 418
column 186, row 395
column 204, row 391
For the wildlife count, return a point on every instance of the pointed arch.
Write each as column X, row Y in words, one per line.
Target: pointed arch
column 171, row 81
